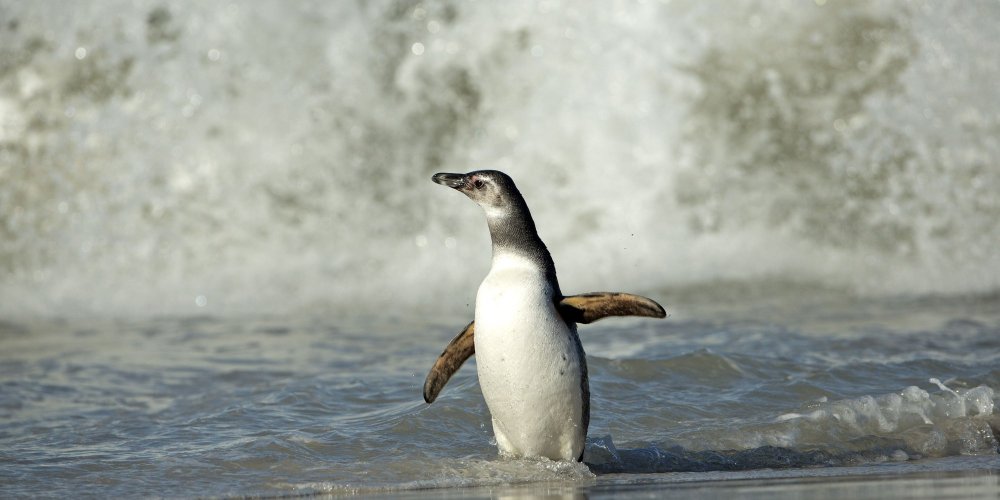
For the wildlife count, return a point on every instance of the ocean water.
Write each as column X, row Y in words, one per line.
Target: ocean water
column 198, row 406
column 224, row 270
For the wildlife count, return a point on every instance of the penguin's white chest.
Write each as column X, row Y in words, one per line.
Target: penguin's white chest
column 529, row 364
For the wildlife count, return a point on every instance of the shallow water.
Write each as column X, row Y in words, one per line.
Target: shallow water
column 230, row 406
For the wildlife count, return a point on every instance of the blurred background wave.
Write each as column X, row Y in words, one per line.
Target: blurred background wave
column 273, row 157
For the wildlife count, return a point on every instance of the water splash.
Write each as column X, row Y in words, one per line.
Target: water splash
column 171, row 158
column 902, row 426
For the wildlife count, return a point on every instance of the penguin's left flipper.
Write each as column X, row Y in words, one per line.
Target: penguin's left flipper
column 590, row 307
column 461, row 348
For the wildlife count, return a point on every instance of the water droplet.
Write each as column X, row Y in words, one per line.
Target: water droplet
column 450, row 242
column 420, row 241
column 417, row 48
column 433, row 26
column 201, row 301
column 214, row 55
column 80, row 53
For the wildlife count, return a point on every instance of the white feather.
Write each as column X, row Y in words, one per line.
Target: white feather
column 529, row 367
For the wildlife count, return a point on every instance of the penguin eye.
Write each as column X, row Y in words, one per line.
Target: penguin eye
column 478, row 183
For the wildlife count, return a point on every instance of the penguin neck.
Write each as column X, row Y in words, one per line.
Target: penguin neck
column 513, row 233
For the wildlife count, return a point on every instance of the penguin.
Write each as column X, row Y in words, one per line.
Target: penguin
column 531, row 364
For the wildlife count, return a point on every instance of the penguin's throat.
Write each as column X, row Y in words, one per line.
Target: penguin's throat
column 515, row 236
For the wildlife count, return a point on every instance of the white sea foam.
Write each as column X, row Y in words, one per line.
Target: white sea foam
column 924, row 423
column 177, row 152
column 468, row 473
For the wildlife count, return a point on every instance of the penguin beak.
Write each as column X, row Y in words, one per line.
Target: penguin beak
column 454, row 181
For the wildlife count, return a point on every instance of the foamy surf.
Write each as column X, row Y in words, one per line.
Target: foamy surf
column 469, row 473
column 158, row 163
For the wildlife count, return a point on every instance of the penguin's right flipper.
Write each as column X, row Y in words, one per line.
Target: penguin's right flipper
column 590, row 307
column 461, row 348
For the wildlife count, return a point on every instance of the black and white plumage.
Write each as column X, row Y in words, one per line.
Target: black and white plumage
column 531, row 364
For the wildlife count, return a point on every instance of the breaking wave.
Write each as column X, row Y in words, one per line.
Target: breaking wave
column 208, row 157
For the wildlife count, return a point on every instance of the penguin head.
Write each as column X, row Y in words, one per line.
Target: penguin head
column 507, row 215
column 491, row 189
